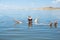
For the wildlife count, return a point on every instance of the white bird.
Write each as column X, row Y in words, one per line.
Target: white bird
column 18, row 21
column 36, row 21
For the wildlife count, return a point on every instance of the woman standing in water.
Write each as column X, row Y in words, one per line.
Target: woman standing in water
column 29, row 20
column 55, row 24
column 51, row 24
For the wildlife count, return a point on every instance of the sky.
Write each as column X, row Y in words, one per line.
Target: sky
column 26, row 4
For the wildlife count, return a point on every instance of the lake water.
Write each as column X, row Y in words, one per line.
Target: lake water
column 9, row 31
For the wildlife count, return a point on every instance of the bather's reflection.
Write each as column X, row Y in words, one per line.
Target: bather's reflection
column 30, row 24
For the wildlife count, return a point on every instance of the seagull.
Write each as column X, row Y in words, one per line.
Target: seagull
column 17, row 21
column 36, row 21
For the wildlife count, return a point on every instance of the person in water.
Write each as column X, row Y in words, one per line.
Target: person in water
column 29, row 20
column 55, row 24
column 50, row 24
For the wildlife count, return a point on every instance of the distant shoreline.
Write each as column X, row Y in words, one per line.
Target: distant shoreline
column 46, row 8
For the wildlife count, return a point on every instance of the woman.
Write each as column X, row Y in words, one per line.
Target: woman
column 29, row 20
column 55, row 24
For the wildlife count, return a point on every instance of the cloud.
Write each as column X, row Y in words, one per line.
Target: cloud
column 56, row 1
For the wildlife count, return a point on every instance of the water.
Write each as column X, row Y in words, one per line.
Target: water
column 9, row 31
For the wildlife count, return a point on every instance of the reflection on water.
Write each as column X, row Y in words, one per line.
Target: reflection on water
column 50, row 26
column 29, row 24
column 56, row 26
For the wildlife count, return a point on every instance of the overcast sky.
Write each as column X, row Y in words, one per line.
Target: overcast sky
column 26, row 4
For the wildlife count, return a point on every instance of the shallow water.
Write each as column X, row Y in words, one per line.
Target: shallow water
column 9, row 31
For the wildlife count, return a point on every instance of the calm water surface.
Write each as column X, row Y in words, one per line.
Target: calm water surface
column 9, row 31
